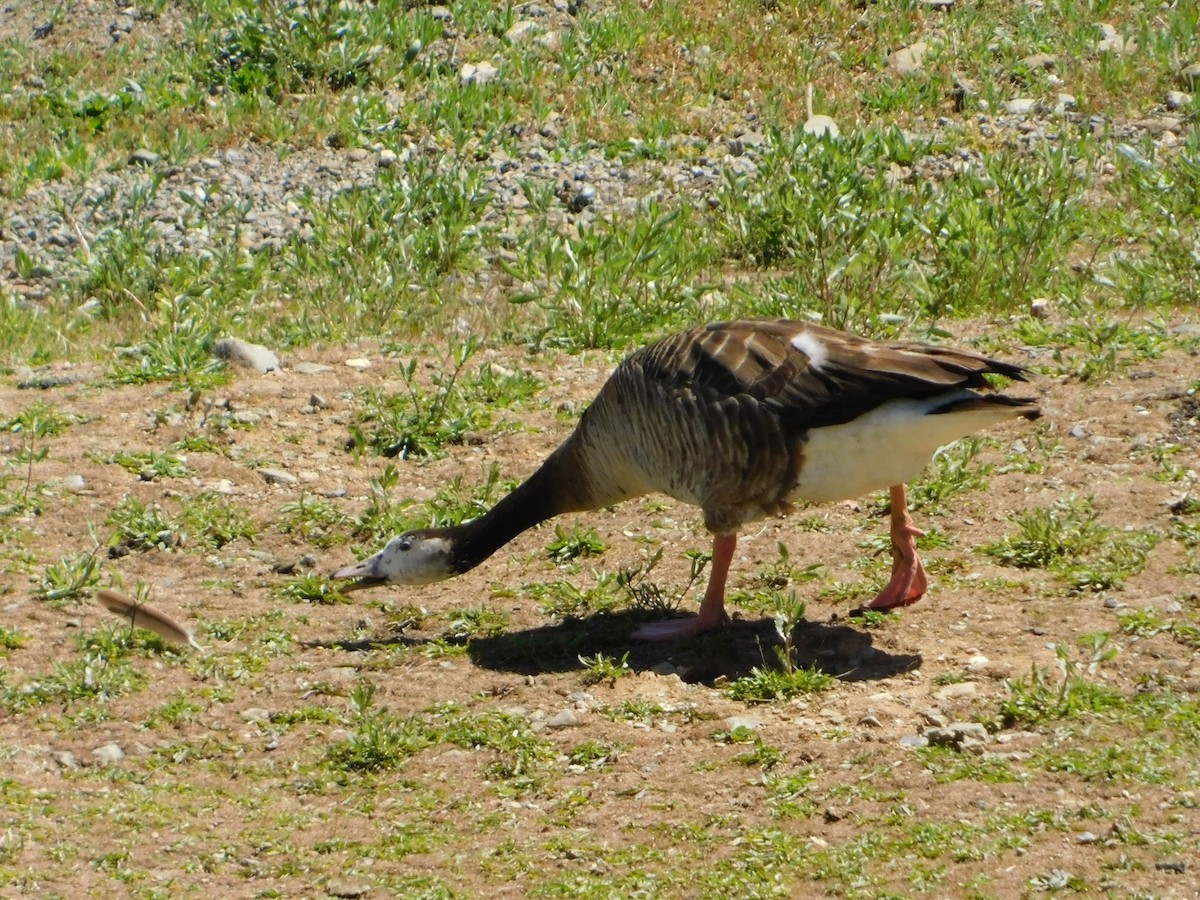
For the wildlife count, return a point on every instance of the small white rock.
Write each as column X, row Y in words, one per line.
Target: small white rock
column 478, row 73
column 359, row 363
column 108, row 754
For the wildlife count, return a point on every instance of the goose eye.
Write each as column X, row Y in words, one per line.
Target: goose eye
column 406, row 544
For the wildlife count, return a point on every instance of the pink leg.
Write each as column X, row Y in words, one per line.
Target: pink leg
column 908, row 580
column 712, row 609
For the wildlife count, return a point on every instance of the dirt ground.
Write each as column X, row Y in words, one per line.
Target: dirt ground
column 240, row 781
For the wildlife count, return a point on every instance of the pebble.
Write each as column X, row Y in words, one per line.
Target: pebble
column 478, row 73
column 312, row 368
column 108, row 754
column 256, row 714
column 1037, row 61
column 1021, row 106
column 243, row 353
column 564, row 719
column 934, row 717
column 278, row 476
column 955, row 691
column 349, row 888
column 65, row 759
column 821, row 125
column 1177, row 100
column 735, row 722
column 143, row 157
column 1040, row 308
column 907, row 59
column 522, row 30
column 358, row 363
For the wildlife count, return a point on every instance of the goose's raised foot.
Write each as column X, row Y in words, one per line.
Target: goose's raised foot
column 679, row 629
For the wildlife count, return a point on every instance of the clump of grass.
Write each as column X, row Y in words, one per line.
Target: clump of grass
column 1038, row 698
column 214, row 520
column 601, row 668
column 379, row 740
column 1068, row 539
column 565, row 599
column 141, row 526
column 575, row 544
column 69, row 579
column 150, row 465
column 315, row 520
column 419, row 422
column 310, row 588
column 102, row 672
column 766, row 684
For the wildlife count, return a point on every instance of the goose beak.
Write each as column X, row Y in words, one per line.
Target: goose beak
column 366, row 571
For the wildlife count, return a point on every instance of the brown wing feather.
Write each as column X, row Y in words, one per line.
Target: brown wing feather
column 757, row 359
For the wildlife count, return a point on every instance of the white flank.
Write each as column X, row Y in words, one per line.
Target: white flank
column 810, row 345
column 889, row 445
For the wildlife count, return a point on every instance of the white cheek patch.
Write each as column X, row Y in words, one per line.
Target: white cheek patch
column 810, row 345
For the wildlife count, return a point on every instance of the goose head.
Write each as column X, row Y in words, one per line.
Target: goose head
column 415, row 557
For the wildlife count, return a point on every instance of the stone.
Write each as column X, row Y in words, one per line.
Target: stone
column 243, row 353
column 256, row 714
column 733, row 723
column 65, row 759
column 1040, row 308
column 311, row 368
column 1036, row 61
column 522, row 30
column 821, row 126
column 387, row 158
column 1021, row 106
column 955, row 691
column 359, row 363
column 1158, row 125
column 1177, row 100
column 478, row 73
column 349, row 888
column 1190, row 75
column 278, row 476
column 108, row 754
column 907, row 59
column 564, row 719
column 143, row 157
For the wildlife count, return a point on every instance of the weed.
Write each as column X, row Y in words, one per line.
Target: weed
column 479, row 621
column 1067, row 538
column 11, row 639
column 1036, row 699
column 69, row 579
column 601, row 668
column 418, row 422
column 379, row 740
column 214, row 520
column 141, row 526
column 564, row 599
column 314, row 520
column 596, row 754
column 575, row 544
column 311, row 588
column 150, row 465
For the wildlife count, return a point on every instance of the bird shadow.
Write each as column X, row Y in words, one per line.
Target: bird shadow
column 840, row 650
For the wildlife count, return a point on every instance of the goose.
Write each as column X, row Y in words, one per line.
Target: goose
column 742, row 419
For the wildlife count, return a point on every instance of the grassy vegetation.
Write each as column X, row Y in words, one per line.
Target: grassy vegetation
column 316, row 744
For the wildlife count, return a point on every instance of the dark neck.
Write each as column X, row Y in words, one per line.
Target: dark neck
column 553, row 489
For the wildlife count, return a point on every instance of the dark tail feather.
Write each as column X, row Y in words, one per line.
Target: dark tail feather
column 983, row 401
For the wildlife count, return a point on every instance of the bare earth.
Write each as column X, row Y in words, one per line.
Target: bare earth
column 239, row 796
